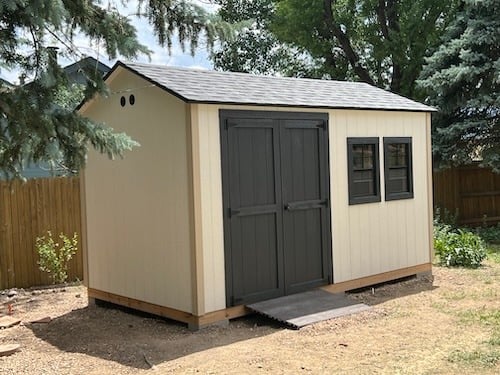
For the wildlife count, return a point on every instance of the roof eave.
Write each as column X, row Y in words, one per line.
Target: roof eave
column 281, row 105
column 119, row 64
column 152, row 81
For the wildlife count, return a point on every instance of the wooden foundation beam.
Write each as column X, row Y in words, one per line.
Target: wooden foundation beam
column 377, row 279
column 222, row 316
column 193, row 321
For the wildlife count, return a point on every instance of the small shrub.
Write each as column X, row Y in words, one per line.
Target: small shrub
column 445, row 216
column 458, row 248
column 489, row 234
column 55, row 256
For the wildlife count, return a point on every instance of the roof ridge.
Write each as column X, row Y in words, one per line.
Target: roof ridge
column 245, row 74
column 236, row 88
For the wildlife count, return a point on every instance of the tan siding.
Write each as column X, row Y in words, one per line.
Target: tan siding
column 368, row 239
column 381, row 236
column 137, row 209
column 430, row 196
column 209, row 188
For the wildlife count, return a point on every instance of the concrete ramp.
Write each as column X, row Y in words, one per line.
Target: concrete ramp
column 302, row 309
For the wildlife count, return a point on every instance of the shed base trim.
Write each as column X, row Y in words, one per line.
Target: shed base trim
column 193, row 321
column 377, row 279
column 197, row 322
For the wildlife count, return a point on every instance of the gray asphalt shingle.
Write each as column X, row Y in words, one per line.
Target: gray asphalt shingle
column 204, row 86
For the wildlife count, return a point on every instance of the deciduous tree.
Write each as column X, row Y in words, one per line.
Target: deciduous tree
column 382, row 42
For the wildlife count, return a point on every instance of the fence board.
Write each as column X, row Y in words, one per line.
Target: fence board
column 472, row 193
column 27, row 211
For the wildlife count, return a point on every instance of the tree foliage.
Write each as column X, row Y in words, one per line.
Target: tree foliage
column 382, row 42
column 34, row 126
column 462, row 78
column 254, row 48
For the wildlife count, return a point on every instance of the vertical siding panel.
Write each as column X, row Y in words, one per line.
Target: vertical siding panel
column 137, row 209
column 355, row 242
column 420, row 185
column 382, row 236
column 210, row 147
column 340, row 214
column 212, row 222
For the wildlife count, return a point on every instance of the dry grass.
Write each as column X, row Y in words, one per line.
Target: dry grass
column 448, row 324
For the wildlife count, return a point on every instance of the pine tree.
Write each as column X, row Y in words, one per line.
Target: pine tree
column 463, row 80
column 34, row 125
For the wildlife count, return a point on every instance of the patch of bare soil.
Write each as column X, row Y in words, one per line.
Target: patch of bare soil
column 439, row 325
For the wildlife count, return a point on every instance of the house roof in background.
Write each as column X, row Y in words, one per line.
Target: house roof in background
column 74, row 71
column 88, row 61
column 204, row 86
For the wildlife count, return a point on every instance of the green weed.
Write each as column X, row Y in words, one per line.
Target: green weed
column 487, row 358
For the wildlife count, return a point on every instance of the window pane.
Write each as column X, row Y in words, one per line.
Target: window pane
column 363, row 156
column 398, row 165
column 363, row 183
column 368, row 157
column 362, row 189
column 397, row 154
column 357, row 157
column 398, row 173
column 363, row 173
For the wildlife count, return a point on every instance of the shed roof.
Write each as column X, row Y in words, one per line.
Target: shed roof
column 205, row 86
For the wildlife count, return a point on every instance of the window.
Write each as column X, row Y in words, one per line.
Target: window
column 363, row 170
column 398, row 168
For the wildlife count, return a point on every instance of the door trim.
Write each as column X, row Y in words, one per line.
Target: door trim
column 225, row 115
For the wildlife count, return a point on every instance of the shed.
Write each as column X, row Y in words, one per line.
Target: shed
column 247, row 188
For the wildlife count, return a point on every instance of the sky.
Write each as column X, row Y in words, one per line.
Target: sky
column 159, row 55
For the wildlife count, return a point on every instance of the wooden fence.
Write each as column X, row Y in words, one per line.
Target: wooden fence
column 471, row 192
column 27, row 211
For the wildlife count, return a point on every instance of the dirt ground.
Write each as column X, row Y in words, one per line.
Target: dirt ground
column 448, row 325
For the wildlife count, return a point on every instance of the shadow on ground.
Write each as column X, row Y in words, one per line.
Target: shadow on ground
column 403, row 287
column 140, row 340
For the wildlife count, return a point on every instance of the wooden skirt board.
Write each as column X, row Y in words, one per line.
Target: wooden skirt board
column 302, row 309
column 276, row 204
column 193, row 321
column 196, row 322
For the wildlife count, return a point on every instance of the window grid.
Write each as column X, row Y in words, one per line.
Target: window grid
column 363, row 170
column 398, row 172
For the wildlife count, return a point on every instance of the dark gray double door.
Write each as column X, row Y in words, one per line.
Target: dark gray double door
column 276, row 209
